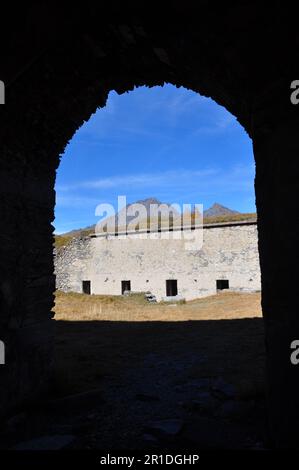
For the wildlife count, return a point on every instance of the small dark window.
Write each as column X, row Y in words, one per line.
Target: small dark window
column 125, row 286
column 222, row 284
column 86, row 287
column 171, row 287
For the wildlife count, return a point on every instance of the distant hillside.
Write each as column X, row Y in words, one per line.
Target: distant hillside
column 215, row 214
column 79, row 231
column 217, row 210
column 63, row 239
column 238, row 217
column 122, row 220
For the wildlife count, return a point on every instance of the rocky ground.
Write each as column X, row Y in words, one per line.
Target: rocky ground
column 152, row 385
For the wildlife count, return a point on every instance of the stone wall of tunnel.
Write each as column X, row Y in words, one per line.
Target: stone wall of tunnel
column 58, row 66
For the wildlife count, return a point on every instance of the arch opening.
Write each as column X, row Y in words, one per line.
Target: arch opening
column 123, row 303
column 54, row 80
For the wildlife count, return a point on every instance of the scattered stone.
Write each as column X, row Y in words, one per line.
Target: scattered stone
column 181, row 403
column 229, row 409
column 203, row 403
column 165, row 428
column 84, row 428
column 222, row 389
column 146, row 398
column 15, row 422
column 212, row 433
column 150, row 297
column 196, row 384
column 78, row 402
column 46, row 443
column 201, row 383
column 149, row 438
column 237, row 409
column 65, row 429
column 258, row 446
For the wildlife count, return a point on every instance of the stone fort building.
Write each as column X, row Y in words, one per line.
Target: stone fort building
column 162, row 263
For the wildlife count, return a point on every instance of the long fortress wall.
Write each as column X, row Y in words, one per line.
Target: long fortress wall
column 229, row 252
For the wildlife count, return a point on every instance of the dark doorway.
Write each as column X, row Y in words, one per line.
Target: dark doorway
column 86, row 287
column 171, row 287
column 125, row 286
column 222, row 284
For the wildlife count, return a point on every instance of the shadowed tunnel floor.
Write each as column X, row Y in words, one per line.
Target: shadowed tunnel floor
column 156, row 384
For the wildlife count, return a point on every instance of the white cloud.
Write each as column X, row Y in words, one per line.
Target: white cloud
column 236, row 178
column 160, row 179
column 75, row 201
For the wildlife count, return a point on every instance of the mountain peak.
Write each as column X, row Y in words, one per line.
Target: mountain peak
column 218, row 209
column 148, row 200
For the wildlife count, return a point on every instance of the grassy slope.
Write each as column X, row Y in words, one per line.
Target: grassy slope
column 64, row 239
column 230, row 218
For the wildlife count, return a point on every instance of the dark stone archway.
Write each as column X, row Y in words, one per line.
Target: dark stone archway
column 58, row 66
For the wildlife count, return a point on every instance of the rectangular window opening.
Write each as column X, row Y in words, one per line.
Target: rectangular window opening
column 86, row 288
column 125, row 286
column 171, row 287
column 222, row 284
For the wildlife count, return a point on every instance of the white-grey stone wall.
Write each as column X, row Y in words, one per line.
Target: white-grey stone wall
column 228, row 252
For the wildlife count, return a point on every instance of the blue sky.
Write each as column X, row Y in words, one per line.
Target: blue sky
column 163, row 142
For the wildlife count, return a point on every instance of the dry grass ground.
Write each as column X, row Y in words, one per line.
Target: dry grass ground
column 101, row 336
column 226, row 305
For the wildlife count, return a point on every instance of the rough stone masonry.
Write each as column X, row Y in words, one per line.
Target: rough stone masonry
column 58, row 65
column 111, row 263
